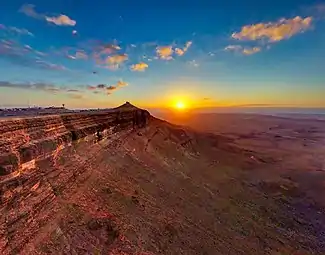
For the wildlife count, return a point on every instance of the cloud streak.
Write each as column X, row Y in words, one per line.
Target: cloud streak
column 107, row 89
column 26, row 56
column 59, row 20
column 243, row 50
column 16, row 30
column 181, row 52
column 34, row 86
column 274, row 31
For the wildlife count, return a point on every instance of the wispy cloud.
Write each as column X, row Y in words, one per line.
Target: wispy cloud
column 274, row 31
column 33, row 86
column 116, row 59
column 110, row 88
column 107, row 89
column 50, row 66
column 91, row 87
column 139, row 67
column 243, row 50
column 79, row 54
column 165, row 52
column 121, row 83
column 193, row 63
column 59, row 20
column 250, row 51
column 181, row 52
column 26, row 56
column 15, row 30
column 233, row 48
column 114, row 62
column 29, row 10
column 101, row 86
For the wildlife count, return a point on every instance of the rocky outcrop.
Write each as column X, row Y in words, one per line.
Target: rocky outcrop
column 32, row 175
column 23, row 140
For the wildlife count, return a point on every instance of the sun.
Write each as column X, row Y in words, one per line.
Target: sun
column 180, row 105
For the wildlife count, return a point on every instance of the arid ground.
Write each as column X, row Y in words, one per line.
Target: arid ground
column 226, row 184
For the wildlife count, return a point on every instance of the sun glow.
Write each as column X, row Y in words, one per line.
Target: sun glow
column 180, row 105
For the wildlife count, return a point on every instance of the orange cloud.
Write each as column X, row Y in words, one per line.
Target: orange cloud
column 61, row 20
column 274, row 31
column 121, row 83
column 165, row 52
column 181, row 52
column 140, row 67
column 116, row 59
column 110, row 88
column 187, row 45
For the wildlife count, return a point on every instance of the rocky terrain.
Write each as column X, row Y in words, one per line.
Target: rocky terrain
column 124, row 182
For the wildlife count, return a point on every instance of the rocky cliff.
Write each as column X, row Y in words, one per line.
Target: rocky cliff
column 29, row 147
column 23, row 141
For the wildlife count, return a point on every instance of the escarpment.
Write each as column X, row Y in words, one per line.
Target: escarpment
column 23, row 140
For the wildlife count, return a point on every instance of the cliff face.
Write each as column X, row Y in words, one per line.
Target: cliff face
column 25, row 140
column 31, row 176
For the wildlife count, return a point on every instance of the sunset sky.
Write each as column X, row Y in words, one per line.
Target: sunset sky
column 204, row 53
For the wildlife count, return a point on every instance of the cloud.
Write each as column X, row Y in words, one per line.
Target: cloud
column 188, row 45
column 243, row 50
column 140, row 67
column 61, row 20
column 181, row 52
column 193, row 63
column 101, row 86
column 116, row 59
column 50, row 66
column 250, row 51
column 80, row 54
column 121, row 84
column 26, row 56
column 16, row 30
column 274, row 31
column 233, row 48
column 114, row 62
column 91, row 87
column 107, row 89
column 165, row 52
column 110, row 88
column 29, row 10
column 32, row 86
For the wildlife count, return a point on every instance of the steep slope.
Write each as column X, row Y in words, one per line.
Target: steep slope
column 155, row 189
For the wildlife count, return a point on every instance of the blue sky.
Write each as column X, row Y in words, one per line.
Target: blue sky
column 103, row 53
